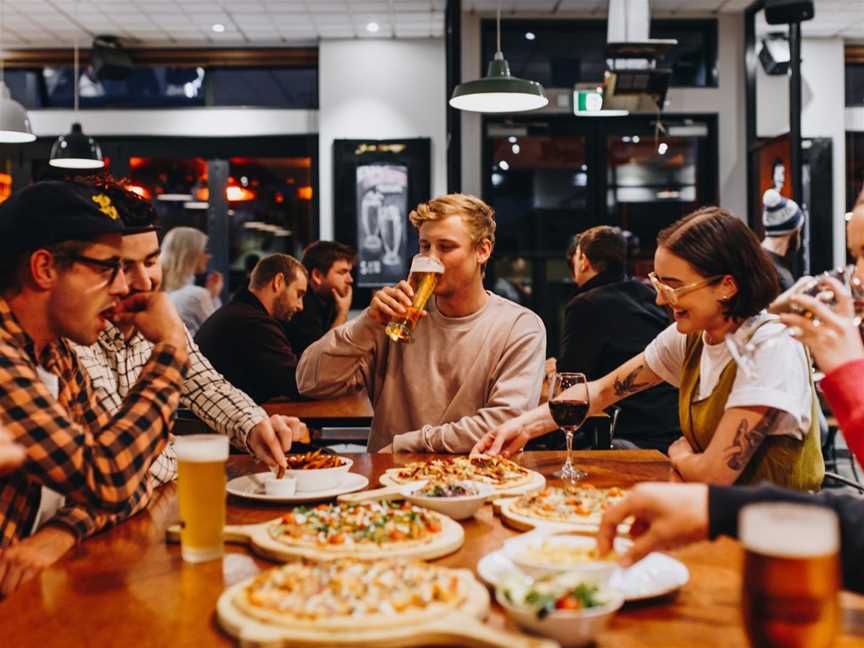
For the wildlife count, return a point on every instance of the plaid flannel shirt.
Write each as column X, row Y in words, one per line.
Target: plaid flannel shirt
column 99, row 462
column 114, row 364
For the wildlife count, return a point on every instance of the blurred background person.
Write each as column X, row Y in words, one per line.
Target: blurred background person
column 184, row 255
column 245, row 339
column 610, row 319
column 328, row 299
column 783, row 221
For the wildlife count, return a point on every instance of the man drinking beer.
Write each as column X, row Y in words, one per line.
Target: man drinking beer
column 475, row 358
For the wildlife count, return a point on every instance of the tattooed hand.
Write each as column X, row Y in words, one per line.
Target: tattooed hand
column 629, row 385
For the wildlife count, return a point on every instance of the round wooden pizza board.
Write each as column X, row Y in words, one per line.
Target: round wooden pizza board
column 462, row 627
column 522, row 522
column 257, row 537
column 535, row 482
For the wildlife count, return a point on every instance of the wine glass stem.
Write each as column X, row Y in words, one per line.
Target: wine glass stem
column 568, row 464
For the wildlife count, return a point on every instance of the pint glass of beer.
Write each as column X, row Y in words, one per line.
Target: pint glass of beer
column 791, row 575
column 424, row 276
column 201, row 486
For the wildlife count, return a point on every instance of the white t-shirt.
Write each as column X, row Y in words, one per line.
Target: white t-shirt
column 781, row 379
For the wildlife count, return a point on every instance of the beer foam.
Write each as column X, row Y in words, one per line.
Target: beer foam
column 422, row 263
column 200, row 448
column 788, row 530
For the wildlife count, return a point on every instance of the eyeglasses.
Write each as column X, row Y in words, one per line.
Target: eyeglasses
column 672, row 295
column 108, row 268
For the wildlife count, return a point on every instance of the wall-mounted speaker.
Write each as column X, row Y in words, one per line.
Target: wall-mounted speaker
column 783, row 12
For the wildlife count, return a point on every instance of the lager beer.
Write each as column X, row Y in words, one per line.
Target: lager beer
column 791, row 575
column 201, row 485
column 424, row 276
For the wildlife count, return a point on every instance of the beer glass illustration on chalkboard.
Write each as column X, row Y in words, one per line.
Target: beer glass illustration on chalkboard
column 390, row 222
column 370, row 215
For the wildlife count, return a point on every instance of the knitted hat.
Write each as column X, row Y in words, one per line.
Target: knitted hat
column 780, row 216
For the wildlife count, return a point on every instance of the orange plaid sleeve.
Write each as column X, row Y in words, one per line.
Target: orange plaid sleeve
column 99, row 462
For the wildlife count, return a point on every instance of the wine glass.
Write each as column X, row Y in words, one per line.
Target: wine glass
column 569, row 405
column 743, row 348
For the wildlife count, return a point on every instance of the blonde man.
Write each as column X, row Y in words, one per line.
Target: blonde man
column 476, row 358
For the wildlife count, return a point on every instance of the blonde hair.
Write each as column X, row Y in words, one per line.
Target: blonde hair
column 476, row 214
column 181, row 248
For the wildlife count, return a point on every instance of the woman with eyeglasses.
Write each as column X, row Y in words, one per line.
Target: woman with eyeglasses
column 184, row 254
column 710, row 269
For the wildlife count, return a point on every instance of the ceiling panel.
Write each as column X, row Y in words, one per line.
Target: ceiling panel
column 40, row 23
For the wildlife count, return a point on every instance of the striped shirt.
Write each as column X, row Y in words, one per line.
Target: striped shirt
column 97, row 460
column 114, row 365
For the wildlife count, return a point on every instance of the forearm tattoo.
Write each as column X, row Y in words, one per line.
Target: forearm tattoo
column 629, row 384
column 747, row 440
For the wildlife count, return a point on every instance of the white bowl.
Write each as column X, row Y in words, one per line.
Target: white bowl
column 458, row 508
column 595, row 571
column 570, row 628
column 284, row 487
column 318, row 479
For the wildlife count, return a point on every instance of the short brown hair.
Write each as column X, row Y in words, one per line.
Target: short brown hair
column 275, row 264
column 476, row 214
column 715, row 243
column 321, row 255
column 605, row 247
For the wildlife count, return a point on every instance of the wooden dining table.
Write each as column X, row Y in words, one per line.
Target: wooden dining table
column 128, row 587
column 351, row 410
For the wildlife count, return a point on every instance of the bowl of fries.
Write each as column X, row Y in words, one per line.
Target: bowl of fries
column 316, row 470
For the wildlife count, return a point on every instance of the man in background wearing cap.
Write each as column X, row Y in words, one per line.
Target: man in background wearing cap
column 61, row 276
column 783, row 220
column 116, row 360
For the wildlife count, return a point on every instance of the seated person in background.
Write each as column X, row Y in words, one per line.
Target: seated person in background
column 610, row 319
column 668, row 516
column 115, row 361
column 328, row 298
column 245, row 339
column 61, row 276
column 12, row 455
column 783, row 220
column 184, row 254
column 738, row 428
column 476, row 359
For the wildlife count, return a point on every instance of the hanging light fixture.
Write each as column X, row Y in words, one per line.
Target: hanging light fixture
column 75, row 150
column 14, row 122
column 498, row 92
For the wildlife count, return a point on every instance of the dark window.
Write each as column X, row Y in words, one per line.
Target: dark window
column 560, row 54
column 265, row 87
column 855, row 84
column 168, row 87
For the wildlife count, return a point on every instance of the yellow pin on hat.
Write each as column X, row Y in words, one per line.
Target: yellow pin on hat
column 105, row 206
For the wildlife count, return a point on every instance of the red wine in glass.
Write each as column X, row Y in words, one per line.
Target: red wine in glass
column 569, row 406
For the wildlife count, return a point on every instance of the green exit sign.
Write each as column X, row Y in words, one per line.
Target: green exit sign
column 587, row 101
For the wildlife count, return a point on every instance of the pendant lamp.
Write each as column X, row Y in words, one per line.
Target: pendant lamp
column 75, row 150
column 14, row 122
column 498, row 91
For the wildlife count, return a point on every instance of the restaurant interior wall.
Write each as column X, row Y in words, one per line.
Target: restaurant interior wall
column 822, row 115
column 380, row 89
column 726, row 100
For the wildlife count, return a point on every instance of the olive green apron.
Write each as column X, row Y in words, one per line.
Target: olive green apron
column 783, row 460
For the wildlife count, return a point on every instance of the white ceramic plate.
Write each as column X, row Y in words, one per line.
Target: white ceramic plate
column 252, row 487
column 655, row 575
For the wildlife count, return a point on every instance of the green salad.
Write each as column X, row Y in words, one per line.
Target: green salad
column 547, row 595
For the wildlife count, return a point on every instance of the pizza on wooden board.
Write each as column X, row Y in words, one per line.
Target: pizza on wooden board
column 383, row 524
column 584, row 504
column 346, row 593
column 496, row 471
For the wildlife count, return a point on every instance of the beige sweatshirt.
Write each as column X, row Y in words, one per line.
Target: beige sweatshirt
column 460, row 377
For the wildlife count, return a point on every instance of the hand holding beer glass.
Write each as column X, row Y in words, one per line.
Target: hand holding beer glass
column 423, row 278
column 201, row 485
column 791, row 575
